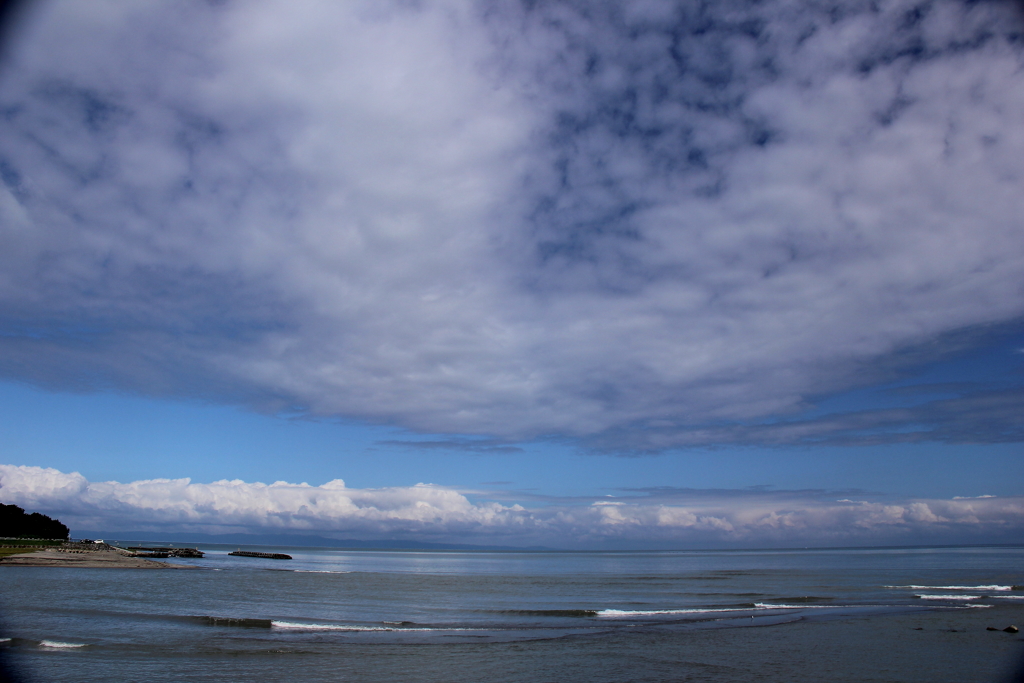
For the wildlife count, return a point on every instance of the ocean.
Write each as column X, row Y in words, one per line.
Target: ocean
column 895, row 614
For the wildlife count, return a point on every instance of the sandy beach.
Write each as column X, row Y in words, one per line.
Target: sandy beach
column 54, row 557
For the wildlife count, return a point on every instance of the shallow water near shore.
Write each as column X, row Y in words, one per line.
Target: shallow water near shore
column 915, row 614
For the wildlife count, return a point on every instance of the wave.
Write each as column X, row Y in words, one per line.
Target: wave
column 755, row 606
column 57, row 644
column 300, row 626
column 765, row 605
column 553, row 612
column 958, row 588
column 318, row 571
column 5, row 640
column 397, row 627
column 295, row 626
column 233, row 621
column 666, row 578
column 950, row 597
column 655, row 612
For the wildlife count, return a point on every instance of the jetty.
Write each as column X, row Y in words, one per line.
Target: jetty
column 265, row 556
column 148, row 551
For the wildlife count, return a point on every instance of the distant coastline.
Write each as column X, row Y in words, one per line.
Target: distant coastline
column 294, row 541
column 303, row 541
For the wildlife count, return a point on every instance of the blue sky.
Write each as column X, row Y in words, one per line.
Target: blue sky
column 589, row 275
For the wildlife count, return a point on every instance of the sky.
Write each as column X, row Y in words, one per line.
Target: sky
column 589, row 275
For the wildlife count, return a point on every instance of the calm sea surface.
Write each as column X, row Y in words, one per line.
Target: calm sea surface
column 333, row 615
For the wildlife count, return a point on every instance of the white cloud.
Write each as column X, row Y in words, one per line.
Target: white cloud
column 438, row 513
column 487, row 220
column 240, row 505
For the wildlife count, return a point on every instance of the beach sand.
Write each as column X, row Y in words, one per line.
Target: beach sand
column 53, row 557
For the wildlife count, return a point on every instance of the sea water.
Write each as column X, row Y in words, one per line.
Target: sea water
column 911, row 614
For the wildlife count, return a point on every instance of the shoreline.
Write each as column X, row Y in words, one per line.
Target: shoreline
column 93, row 559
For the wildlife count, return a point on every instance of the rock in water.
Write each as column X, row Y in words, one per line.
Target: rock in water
column 1011, row 629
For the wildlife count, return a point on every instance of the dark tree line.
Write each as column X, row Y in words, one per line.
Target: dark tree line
column 14, row 523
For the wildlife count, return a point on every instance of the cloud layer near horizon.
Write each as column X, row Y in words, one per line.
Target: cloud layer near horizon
column 639, row 224
column 435, row 513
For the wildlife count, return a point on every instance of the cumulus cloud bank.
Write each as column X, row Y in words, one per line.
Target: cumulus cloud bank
column 641, row 224
column 659, row 517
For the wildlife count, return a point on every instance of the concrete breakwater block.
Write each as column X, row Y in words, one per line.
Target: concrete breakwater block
column 265, row 556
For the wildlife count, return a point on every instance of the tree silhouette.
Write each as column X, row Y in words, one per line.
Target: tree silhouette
column 14, row 523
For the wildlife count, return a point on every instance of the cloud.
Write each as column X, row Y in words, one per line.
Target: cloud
column 659, row 518
column 979, row 417
column 641, row 226
column 465, row 445
column 236, row 504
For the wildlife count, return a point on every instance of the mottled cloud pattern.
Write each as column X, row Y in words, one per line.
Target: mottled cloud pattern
column 667, row 518
column 644, row 225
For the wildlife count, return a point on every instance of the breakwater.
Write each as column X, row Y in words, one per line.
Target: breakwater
column 265, row 556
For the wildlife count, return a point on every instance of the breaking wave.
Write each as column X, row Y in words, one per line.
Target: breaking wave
column 296, row 626
column 950, row 597
column 397, row 626
column 756, row 606
column 765, row 605
column 233, row 621
column 958, row 588
column 654, row 612
column 553, row 612
column 57, row 644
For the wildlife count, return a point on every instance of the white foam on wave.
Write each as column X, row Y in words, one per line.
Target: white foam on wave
column 950, row 597
column 765, row 605
column 955, row 588
column 319, row 571
column 295, row 626
column 59, row 644
column 5, row 640
column 649, row 612
column 704, row 610
column 1008, row 597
